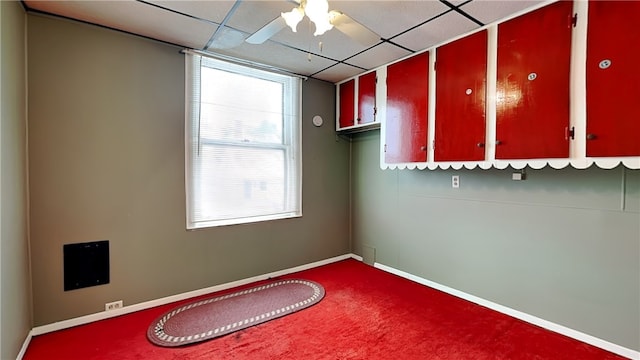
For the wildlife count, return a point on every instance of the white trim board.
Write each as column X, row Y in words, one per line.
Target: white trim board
column 39, row 330
column 603, row 344
column 557, row 328
column 25, row 345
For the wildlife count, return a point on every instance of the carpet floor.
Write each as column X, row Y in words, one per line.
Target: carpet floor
column 366, row 314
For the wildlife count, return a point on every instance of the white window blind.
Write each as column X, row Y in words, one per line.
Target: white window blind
column 242, row 138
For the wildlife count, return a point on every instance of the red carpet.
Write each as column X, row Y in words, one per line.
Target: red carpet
column 365, row 314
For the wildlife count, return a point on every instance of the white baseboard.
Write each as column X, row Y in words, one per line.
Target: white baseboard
column 357, row 257
column 560, row 329
column 39, row 330
column 25, row 345
column 603, row 344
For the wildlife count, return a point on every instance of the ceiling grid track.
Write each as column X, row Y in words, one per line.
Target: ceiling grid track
column 223, row 24
column 364, row 38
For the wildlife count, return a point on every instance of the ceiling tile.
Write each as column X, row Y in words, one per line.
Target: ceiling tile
column 279, row 56
column 436, row 31
column 134, row 17
column 378, row 56
column 250, row 16
column 226, row 38
column 376, row 14
column 208, row 10
column 338, row 73
column 489, row 11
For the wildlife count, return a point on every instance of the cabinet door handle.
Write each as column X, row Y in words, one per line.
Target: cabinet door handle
column 498, row 142
column 591, row 136
column 480, row 144
column 423, row 148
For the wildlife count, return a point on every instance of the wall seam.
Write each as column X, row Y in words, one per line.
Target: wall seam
column 351, row 249
column 515, row 203
column 623, row 190
column 1, row 241
column 26, row 165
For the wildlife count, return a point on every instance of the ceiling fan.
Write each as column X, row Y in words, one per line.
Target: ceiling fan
column 318, row 12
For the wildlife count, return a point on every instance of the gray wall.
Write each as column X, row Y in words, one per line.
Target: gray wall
column 15, row 294
column 106, row 147
column 563, row 245
column 106, row 161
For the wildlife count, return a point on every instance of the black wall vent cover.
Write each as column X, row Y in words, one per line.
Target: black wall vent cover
column 86, row 264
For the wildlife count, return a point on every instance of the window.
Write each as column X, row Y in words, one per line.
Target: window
column 242, row 139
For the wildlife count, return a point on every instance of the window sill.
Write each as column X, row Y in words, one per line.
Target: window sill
column 239, row 221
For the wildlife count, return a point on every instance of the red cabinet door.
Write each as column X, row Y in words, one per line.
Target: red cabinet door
column 347, row 104
column 407, row 100
column 613, row 79
column 461, row 73
column 367, row 98
column 532, row 100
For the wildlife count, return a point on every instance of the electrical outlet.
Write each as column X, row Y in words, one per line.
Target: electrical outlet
column 518, row 176
column 113, row 305
column 455, row 181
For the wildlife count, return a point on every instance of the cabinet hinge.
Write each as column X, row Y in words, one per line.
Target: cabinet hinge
column 574, row 20
column 385, row 147
column 433, row 144
column 570, row 133
column 435, row 65
column 376, row 79
column 375, row 110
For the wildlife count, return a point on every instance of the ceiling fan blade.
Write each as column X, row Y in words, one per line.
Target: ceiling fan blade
column 354, row 29
column 267, row 31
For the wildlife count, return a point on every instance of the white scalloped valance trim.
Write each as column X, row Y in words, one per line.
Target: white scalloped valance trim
column 603, row 163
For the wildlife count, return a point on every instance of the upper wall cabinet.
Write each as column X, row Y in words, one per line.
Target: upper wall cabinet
column 532, row 94
column 613, row 79
column 461, row 77
column 357, row 102
column 407, row 101
column 367, row 98
column 556, row 86
column 346, row 108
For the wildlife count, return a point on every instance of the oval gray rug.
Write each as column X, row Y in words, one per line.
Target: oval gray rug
column 209, row 318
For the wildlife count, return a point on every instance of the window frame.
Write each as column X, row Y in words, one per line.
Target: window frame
column 291, row 143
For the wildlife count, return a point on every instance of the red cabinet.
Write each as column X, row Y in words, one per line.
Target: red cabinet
column 461, row 73
column 367, row 98
column 406, row 115
column 532, row 100
column 364, row 92
column 347, row 104
column 613, row 79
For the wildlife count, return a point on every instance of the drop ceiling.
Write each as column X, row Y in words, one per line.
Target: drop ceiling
column 221, row 27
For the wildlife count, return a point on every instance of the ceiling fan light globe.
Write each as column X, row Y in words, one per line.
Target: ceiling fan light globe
column 293, row 17
column 322, row 26
column 316, row 9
